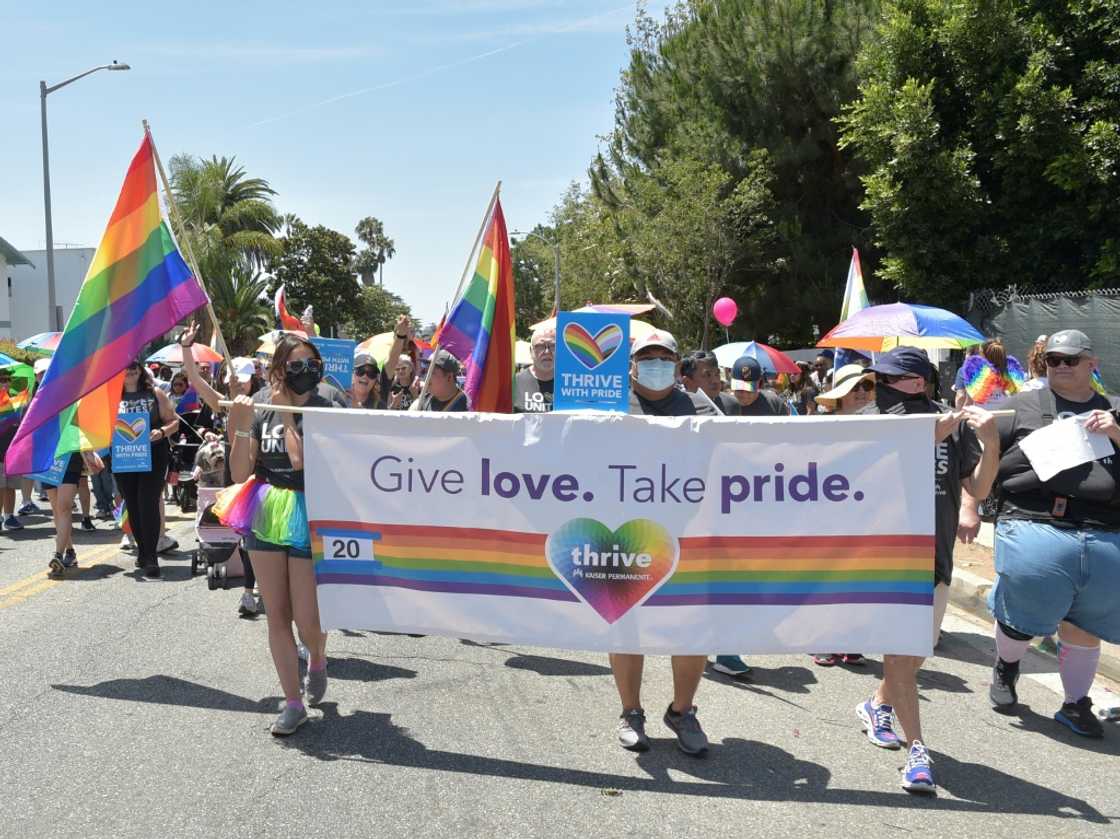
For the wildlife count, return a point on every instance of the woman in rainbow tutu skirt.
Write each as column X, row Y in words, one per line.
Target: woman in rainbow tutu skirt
column 268, row 509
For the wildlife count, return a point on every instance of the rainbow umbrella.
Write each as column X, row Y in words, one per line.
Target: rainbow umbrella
column 880, row 328
column 173, row 354
column 7, row 360
column 769, row 359
column 43, row 342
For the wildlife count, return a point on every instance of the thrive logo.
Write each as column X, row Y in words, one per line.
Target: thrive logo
column 612, row 571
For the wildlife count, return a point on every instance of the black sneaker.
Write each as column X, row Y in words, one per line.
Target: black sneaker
column 690, row 736
column 70, row 558
column 151, row 570
column 1080, row 719
column 87, row 523
column 1002, row 692
column 632, row 731
column 56, row 568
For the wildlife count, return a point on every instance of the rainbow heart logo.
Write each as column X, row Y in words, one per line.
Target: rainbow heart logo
column 592, row 350
column 612, row 571
column 130, row 431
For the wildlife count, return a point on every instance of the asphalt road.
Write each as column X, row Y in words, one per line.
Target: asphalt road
column 141, row 708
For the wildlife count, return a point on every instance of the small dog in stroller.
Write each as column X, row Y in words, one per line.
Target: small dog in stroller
column 219, row 548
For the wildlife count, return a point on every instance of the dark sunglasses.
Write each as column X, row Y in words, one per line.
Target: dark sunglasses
column 311, row 365
column 368, row 371
column 865, row 386
column 1067, row 360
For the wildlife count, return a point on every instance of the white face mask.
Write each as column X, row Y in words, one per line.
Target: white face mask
column 657, row 373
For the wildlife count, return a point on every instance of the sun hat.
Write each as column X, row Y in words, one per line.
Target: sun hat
column 846, row 379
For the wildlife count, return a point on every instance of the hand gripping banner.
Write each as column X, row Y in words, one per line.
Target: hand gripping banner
column 621, row 533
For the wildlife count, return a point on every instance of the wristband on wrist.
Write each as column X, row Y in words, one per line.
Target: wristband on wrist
column 239, row 433
column 401, row 337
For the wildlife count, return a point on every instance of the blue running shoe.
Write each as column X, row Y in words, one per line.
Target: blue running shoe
column 28, row 509
column 876, row 721
column 12, row 523
column 731, row 665
column 917, row 776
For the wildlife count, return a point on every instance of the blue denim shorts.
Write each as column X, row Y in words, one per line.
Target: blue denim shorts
column 252, row 543
column 1047, row 574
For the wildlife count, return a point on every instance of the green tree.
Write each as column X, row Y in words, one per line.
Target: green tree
column 714, row 85
column 378, row 249
column 534, row 278
column 315, row 266
column 374, row 310
column 228, row 218
column 239, row 303
column 991, row 135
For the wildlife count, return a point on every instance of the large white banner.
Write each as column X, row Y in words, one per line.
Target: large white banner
column 628, row 534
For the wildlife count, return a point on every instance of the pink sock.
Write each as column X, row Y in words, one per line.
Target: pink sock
column 296, row 703
column 317, row 666
column 1008, row 648
column 1077, row 666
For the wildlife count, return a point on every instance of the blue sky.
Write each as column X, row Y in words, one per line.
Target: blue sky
column 409, row 111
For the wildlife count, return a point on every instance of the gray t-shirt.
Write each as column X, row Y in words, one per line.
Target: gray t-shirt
column 530, row 394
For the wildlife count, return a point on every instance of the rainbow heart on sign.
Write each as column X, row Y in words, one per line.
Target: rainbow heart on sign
column 612, row 571
column 592, row 350
column 130, row 431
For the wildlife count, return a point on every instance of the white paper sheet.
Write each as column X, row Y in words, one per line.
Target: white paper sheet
column 1062, row 445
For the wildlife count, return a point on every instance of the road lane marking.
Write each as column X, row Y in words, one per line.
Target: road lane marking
column 28, row 587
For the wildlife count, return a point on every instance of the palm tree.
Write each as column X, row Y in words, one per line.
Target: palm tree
column 379, row 249
column 228, row 217
column 239, row 300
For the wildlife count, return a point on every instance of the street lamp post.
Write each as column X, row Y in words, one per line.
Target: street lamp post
column 555, row 260
column 53, row 320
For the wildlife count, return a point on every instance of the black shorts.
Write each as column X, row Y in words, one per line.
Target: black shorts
column 73, row 472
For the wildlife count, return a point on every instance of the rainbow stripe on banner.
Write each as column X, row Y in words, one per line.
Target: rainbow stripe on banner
column 729, row 571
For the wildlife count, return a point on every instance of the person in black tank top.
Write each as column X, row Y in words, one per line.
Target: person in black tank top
column 142, row 491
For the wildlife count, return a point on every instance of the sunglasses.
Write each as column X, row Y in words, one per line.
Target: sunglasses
column 311, row 365
column 1068, row 360
column 865, row 386
column 367, row 372
column 890, row 380
column 545, row 345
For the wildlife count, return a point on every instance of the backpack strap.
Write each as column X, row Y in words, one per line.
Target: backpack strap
column 1047, row 405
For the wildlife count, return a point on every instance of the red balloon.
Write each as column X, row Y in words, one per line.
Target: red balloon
column 725, row 311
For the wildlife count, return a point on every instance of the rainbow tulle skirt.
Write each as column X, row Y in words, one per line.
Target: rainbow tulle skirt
column 272, row 514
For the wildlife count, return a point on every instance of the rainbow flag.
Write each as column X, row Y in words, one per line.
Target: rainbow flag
column 11, row 408
column 188, row 402
column 479, row 330
column 136, row 289
column 855, row 295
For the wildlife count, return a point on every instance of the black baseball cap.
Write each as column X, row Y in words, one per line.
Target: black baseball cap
column 904, row 361
column 445, row 361
column 1068, row 342
column 746, row 372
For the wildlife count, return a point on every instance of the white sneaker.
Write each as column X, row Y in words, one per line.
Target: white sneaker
column 165, row 544
column 248, row 605
column 127, row 544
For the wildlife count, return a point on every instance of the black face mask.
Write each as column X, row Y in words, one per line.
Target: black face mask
column 303, row 382
column 888, row 397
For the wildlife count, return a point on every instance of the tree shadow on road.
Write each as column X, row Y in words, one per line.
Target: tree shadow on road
column 735, row 769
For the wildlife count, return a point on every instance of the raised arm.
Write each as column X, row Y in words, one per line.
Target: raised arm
column 205, row 392
column 402, row 333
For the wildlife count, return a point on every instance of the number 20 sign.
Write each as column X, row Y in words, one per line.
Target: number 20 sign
column 348, row 545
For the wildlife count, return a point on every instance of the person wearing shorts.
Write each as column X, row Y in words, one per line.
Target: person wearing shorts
column 966, row 456
column 269, row 511
column 61, row 498
column 1057, row 545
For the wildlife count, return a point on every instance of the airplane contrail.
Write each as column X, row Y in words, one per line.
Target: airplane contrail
column 431, row 71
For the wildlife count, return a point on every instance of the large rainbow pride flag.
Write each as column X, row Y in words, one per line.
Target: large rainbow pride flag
column 136, row 289
column 480, row 328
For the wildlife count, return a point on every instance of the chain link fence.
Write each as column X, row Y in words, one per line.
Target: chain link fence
column 1019, row 316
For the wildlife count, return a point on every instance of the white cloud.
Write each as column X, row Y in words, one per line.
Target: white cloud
column 258, row 53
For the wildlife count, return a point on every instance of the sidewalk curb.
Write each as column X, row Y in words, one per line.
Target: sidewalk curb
column 969, row 593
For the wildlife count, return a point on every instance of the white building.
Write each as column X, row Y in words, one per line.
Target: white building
column 27, row 289
column 9, row 259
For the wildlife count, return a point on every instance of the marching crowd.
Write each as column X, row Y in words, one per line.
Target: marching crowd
column 1057, row 540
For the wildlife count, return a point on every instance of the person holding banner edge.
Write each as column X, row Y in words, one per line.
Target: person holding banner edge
column 268, row 509
column 654, row 368
column 966, row 458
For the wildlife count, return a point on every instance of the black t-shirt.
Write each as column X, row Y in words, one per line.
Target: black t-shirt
column 455, row 403
column 768, row 404
column 389, row 386
column 678, row 403
column 954, row 459
column 1091, row 489
column 728, row 405
column 273, row 465
column 530, row 394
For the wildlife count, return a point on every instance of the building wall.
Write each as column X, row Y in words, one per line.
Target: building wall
column 5, row 300
column 29, row 289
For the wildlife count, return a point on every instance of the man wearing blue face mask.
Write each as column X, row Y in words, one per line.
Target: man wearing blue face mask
column 654, row 365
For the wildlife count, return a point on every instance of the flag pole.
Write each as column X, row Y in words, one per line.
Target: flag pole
column 463, row 279
column 174, row 209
